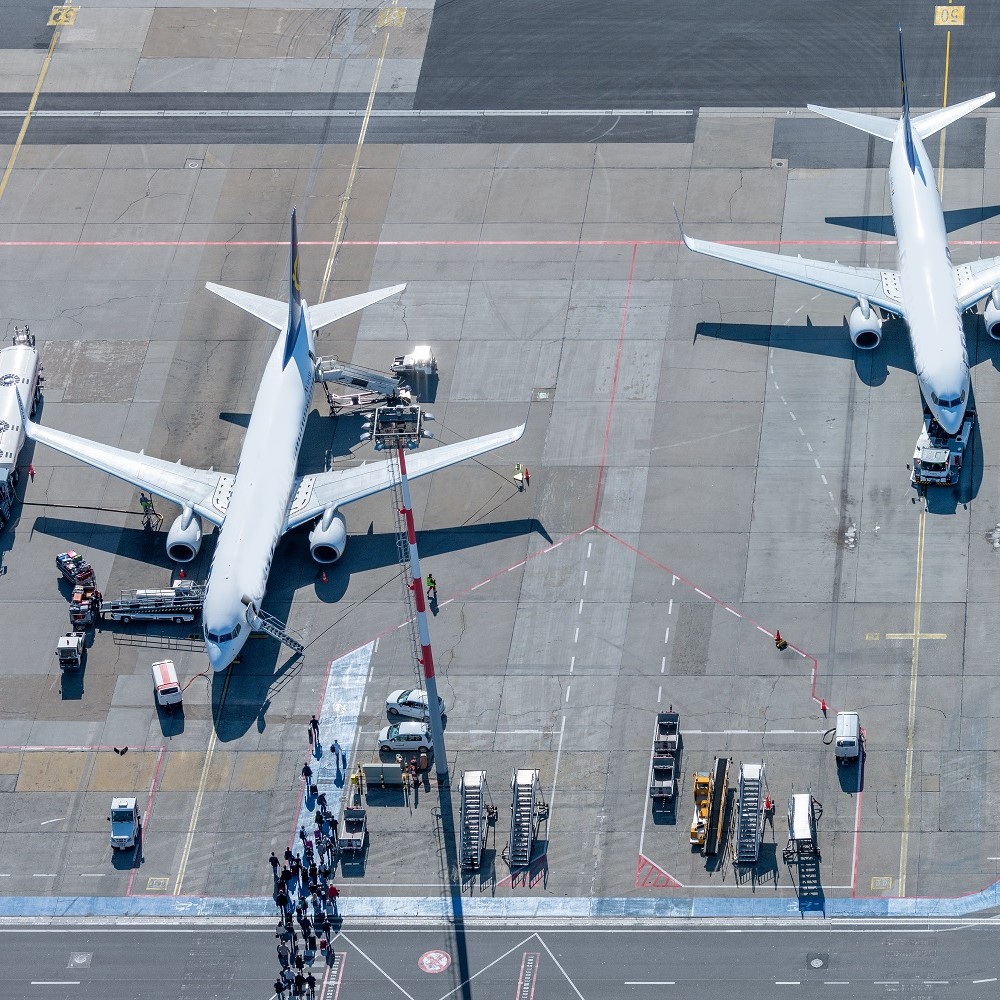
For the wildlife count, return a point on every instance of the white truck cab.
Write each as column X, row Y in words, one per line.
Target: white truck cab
column 168, row 690
column 125, row 823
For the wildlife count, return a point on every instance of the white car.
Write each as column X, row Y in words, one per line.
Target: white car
column 414, row 736
column 412, row 703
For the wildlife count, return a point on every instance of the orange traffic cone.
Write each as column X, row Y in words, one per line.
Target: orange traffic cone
column 181, row 575
column 778, row 641
column 323, row 577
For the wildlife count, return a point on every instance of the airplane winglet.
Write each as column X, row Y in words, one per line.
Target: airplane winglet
column 680, row 225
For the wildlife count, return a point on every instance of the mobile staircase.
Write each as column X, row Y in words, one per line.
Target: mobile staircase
column 524, row 792
column 261, row 621
column 750, row 823
column 473, row 818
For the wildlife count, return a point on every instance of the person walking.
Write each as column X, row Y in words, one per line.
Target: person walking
column 281, row 898
column 300, row 982
column 279, row 987
column 321, row 801
column 311, row 985
column 273, row 861
column 335, row 826
column 307, row 772
column 327, row 926
column 432, row 587
column 283, row 954
column 333, row 894
column 314, row 726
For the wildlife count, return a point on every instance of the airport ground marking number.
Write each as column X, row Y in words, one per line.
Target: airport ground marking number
column 949, row 16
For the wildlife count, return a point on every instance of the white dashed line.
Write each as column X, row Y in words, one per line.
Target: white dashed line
column 364, row 707
column 816, row 460
column 666, row 635
column 702, row 592
column 670, row 607
column 576, row 635
column 659, row 694
column 580, row 610
column 572, row 663
column 585, row 578
column 993, row 980
column 518, row 565
column 590, row 545
column 801, row 431
column 568, row 686
column 663, row 665
column 673, row 583
column 792, row 415
column 809, row 446
column 732, row 612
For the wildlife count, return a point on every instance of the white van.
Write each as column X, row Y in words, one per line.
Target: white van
column 848, row 745
column 168, row 690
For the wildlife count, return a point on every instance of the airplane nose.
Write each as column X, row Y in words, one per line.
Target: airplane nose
column 218, row 655
column 950, row 421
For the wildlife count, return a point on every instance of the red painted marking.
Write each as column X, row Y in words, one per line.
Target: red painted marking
column 614, row 384
column 434, row 961
column 336, row 971
column 652, row 876
column 528, row 976
column 529, row 876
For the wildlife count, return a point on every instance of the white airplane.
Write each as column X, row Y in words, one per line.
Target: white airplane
column 927, row 291
column 263, row 498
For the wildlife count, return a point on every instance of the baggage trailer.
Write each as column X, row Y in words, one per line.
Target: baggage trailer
column 662, row 780
column 181, row 602
column 937, row 457
column 668, row 733
column 352, row 831
column 74, row 568
column 84, row 606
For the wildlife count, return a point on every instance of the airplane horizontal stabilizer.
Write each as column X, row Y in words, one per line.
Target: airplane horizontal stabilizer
column 884, row 128
column 327, row 312
column 271, row 311
column 926, row 125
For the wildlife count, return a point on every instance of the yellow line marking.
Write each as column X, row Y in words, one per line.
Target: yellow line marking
column 944, row 104
column 346, row 196
column 911, row 720
column 189, row 840
column 64, row 14
column 30, row 111
column 911, row 635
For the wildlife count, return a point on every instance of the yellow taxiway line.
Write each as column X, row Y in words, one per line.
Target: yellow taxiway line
column 31, row 110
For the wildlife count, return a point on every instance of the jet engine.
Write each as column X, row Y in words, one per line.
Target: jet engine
column 992, row 317
column 865, row 327
column 184, row 537
column 328, row 539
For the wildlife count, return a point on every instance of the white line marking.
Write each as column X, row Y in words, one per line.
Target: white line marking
column 650, row 982
column 58, row 819
column 816, row 460
column 764, row 630
column 55, row 982
column 478, row 585
column 663, row 665
column 673, row 582
column 585, row 578
column 572, row 661
column 792, row 415
column 702, row 592
column 558, row 964
column 45, row 875
column 732, row 612
column 801, row 431
column 993, row 980
column 837, row 982
column 788, row 982
column 364, row 708
column 580, row 609
column 666, row 635
column 885, row 982
column 551, row 547
column 568, row 688
column 825, row 483
column 93, row 874
column 518, row 565
column 576, row 635
column 659, row 697
column 808, row 445
column 555, row 776
column 670, row 607
column 404, row 113
column 590, row 545
column 784, row 401
column 374, row 650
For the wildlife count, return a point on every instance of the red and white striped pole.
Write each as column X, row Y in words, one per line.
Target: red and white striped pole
column 426, row 656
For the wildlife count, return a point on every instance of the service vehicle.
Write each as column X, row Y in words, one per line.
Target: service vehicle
column 165, row 684
column 937, row 457
column 125, row 823
column 353, row 828
column 412, row 703
column 181, row 602
column 71, row 649
column 847, row 748
column 412, row 736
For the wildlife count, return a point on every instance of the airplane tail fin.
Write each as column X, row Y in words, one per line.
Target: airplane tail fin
column 296, row 318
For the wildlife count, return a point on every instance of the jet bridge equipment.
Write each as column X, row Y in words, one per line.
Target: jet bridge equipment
column 711, row 792
column 750, row 823
column 937, row 457
column 474, row 824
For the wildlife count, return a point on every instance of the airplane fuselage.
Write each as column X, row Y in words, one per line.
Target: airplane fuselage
column 928, row 285
column 258, row 504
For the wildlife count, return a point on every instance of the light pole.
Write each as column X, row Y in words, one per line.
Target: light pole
column 401, row 428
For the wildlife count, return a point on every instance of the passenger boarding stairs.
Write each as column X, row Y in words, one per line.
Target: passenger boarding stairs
column 263, row 622
column 473, row 818
column 750, row 824
column 524, row 787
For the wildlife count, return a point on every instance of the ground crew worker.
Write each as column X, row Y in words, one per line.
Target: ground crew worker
column 432, row 587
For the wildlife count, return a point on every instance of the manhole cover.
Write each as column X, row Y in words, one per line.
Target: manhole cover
column 544, row 393
column 434, row 961
column 80, row 959
column 154, row 884
column 818, row 961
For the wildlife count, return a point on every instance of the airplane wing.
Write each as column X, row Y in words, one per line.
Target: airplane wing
column 976, row 280
column 203, row 491
column 313, row 494
column 880, row 288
